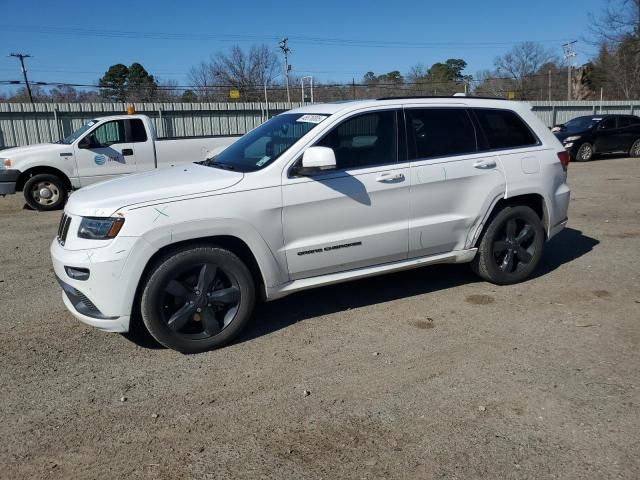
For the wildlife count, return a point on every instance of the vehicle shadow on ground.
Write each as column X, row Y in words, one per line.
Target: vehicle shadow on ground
column 566, row 247
column 270, row 317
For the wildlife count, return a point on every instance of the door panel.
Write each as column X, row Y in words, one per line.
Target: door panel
column 345, row 221
column 452, row 185
column 447, row 198
column 356, row 215
column 99, row 163
column 607, row 136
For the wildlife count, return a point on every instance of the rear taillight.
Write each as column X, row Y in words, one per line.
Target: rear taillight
column 564, row 158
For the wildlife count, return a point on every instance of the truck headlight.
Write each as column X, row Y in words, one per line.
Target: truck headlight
column 94, row 228
column 572, row 139
column 5, row 163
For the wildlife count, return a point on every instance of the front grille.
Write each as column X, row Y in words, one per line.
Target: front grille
column 63, row 228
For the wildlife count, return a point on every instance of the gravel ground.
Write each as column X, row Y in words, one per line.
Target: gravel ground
column 422, row 374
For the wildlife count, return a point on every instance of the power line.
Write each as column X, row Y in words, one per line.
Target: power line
column 21, row 57
column 299, row 39
column 384, row 85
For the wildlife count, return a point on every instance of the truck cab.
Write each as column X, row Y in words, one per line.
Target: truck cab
column 101, row 149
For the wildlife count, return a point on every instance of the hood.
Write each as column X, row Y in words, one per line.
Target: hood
column 17, row 153
column 105, row 198
column 562, row 134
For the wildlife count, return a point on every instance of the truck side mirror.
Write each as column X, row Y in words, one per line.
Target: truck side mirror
column 316, row 160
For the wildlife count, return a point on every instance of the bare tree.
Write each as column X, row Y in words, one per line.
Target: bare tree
column 617, row 20
column 617, row 32
column 521, row 64
column 245, row 71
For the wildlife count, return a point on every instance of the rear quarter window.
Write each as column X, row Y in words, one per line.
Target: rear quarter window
column 138, row 132
column 504, row 129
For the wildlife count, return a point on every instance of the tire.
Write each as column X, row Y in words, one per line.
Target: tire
column 197, row 298
column 511, row 246
column 634, row 151
column 584, row 153
column 45, row 192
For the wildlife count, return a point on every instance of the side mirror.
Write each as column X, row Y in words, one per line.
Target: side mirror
column 316, row 160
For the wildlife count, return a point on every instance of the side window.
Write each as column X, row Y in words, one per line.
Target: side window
column 364, row 140
column 110, row 133
column 137, row 131
column 504, row 129
column 608, row 123
column 437, row 132
column 634, row 120
column 624, row 122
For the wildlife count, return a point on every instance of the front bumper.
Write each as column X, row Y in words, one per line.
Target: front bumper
column 105, row 299
column 8, row 180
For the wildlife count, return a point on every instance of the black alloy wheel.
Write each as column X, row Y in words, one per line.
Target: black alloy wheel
column 197, row 298
column 511, row 246
column 200, row 301
column 514, row 248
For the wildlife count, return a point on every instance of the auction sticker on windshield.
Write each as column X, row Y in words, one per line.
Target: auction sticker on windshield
column 312, row 118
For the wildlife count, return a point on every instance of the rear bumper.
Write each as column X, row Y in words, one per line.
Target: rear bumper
column 8, row 180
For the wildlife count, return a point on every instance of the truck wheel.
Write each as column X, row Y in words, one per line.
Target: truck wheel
column 584, row 153
column 197, row 298
column 511, row 246
column 45, row 191
column 634, row 151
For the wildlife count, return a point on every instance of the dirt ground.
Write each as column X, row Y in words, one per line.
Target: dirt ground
column 423, row 374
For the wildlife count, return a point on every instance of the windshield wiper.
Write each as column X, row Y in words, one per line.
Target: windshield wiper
column 223, row 166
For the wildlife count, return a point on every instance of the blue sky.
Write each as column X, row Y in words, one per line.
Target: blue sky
column 476, row 31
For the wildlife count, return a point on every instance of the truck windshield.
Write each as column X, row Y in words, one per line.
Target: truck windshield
column 78, row 133
column 263, row 145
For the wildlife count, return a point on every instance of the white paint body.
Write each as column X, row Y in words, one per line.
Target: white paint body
column 432, row 212
column 79, row 164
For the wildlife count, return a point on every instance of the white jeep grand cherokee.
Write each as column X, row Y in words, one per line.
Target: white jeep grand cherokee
column 317, row 195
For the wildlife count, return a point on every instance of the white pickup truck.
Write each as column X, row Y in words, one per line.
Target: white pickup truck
column 103, row 148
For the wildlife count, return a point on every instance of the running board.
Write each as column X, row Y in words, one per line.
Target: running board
column 456, row 256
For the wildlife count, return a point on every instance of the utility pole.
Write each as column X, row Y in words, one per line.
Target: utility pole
column 285, row 49
column 569, row 54
column 21, row 57
column 549, row 84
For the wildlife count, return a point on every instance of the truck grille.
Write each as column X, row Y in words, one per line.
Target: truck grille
column 63, row 228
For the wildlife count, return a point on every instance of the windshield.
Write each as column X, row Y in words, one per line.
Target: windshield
column 78, row 133
column 263, row 145
column 581, row 123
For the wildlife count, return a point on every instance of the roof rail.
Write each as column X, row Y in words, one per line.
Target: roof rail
column 408, row 97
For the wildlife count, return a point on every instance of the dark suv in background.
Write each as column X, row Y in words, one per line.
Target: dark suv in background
column 583, row 137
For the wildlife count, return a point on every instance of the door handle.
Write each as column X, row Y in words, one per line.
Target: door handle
column 485, row 164
column 127, row 151
column 390, row 177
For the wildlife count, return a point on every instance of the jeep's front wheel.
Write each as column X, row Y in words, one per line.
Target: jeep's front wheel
column 197, row 298
column 511, row 246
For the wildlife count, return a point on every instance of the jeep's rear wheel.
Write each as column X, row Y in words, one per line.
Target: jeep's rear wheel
column 197, row 299
column 634, row 151
column 511, row 246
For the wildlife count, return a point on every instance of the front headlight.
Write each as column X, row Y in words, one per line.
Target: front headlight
column 572, row 139
column 5, row 163
column 95, row 228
